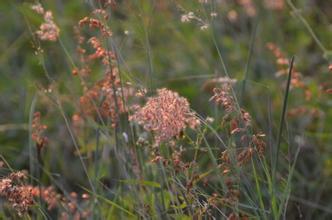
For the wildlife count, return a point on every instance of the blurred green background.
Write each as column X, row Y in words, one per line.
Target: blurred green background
column 156, row 50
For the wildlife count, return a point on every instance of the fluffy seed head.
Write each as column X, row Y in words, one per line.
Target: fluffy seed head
column 166, row 114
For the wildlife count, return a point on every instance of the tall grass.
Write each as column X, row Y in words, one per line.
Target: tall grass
column 170, row 110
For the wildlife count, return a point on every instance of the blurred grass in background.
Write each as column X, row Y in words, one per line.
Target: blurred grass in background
column 155, row 50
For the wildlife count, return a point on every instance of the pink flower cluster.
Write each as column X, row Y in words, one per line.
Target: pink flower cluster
column 166, row 115
column 19, row 197
column 48, row 31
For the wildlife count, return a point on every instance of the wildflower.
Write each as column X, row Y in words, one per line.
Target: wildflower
column 187, row 17
column 204, row 27
column 283, row 63
column 259, row 143
column 85, row 196
column 274, row 4
column 47, row 194
column 74, row 72
column 17, row 176
column 246, row 117
column 18, row 196
column 37, row 131
column 48, row 31
column 102, row 13
column 141, row 92
column 245, row 156
column 38, row 8
column 100, row 52
column 210, row 84
column 114, row 96
column 49, row 90
column 166, row 114
column 330, row 67
column 209, row 119
column 235, row 126
column 223, row 97
column 97, row 24
column 225, row 157
column 213, row 14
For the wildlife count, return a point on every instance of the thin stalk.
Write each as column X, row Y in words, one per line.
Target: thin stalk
column 281, row 127
column 258, row 190
column 283, row 115
column 251, row 50
column 97, row 168
column 63, row 114
column 288, row 190
column 306, row 24
column 31, row 147
column 40, row 173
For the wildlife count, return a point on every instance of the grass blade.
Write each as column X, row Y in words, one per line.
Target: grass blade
column 283, row 115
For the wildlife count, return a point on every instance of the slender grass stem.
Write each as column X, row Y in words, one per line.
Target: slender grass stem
column 283, row 115
column 281, row 127
column 251, row 51
column 306, row 24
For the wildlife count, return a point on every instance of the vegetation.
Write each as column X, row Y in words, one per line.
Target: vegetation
column 203, row 109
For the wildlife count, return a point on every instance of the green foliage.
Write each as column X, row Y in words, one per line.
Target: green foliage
column 155, row 49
